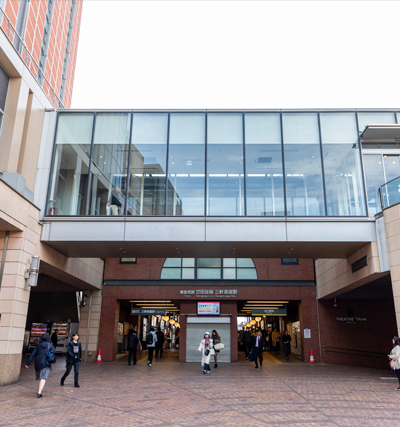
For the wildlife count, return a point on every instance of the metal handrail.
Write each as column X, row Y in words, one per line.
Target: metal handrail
column 24, row 53
column 384, row 196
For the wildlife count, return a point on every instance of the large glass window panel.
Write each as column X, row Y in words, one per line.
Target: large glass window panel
column 187, row 273
column 264, row 174
column 342, row 165
column 229, row 262
column 109, row 164
column 147, row 172
column 173, row 262
column 188, row 262
column 392, row 169
column 225, row 178
column 186, row 164
column 245, row 262
column 374, row 178
column 304, row 185
column 229, row 273
column 69, row 176
column 380, row 118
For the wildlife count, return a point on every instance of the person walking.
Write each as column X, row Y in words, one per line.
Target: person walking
column 216, row 340
column 133, row 342
column 394, row 358
column 54, row 338
column 114, row 201
column 286, row 340
column 270, row 339
column 275, row 340
column 160, row 342
column 206, row 344
column 74, row 355
column 151, row 340
column 42, row 363
column 247, row 342
column 258, row 346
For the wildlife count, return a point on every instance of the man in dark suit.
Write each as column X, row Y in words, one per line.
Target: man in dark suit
column 258, row 346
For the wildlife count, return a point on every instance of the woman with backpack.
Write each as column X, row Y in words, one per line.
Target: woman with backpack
column 44, row 356
column 74, row 355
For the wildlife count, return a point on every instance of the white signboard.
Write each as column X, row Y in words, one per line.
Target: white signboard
column 307, row 333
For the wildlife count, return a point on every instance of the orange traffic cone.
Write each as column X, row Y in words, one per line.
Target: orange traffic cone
column 98, row 360
column 311, row 357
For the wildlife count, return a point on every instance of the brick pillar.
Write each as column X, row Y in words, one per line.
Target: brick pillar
column 108, row 327
column 89, row 325
column 308, row 319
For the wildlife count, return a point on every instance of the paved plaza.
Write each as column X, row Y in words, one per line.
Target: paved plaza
column 174, row 394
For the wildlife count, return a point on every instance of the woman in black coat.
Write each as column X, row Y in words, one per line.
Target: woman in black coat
column 42, row 365
column 74, row 355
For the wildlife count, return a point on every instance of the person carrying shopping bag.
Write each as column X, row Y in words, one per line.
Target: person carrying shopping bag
column 205, row 347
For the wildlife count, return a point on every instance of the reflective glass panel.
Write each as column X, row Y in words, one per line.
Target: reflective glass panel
column 374, row 178
column 342, row 165
column 229, row 262
column 208, row 273
column 187, row 262
column 208, row 262
column 109, row 164
column 188, row 273
column 147, row 173
column 264, row 174
column 170, row 273
column 229, row 273
column 173, row 262
column 186, row 164
column 304, row 187
column 245, row 262
column 392, row 169
column 225, row 181
column 69, row 176
column 382, row 118
column 246, row 274
column 398, row 118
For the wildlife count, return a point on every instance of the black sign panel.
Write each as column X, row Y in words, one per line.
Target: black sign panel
column 269, row 311
column 148, row 311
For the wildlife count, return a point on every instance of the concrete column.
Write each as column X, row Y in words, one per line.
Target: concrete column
column 89, row 325
column 14, row 295
column 13, row 124
column 392, row 228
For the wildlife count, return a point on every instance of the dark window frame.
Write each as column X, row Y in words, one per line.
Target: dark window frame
column 128, row 262
column 289, row 262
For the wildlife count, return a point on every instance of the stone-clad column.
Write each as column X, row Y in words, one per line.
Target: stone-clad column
column 392, row 228
column 89, row 325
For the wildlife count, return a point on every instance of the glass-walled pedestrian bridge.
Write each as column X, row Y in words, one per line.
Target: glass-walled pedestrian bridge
column 195, row 177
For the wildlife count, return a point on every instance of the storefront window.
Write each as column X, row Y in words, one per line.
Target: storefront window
column 303, row 170
column 342, row 165
column 186, row 164
column 225, row 177
column 264, row 174
column 69, row 176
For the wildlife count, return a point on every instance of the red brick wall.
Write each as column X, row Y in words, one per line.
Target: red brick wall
column 374, row 335
column 110, row 313
column 150, row 269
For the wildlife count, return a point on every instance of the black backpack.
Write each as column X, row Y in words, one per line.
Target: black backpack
column 149, row 338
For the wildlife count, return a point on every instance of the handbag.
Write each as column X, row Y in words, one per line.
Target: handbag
column 207, row 352
column 212, row 352
column 219, row 346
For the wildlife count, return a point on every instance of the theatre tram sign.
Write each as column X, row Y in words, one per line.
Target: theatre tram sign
column 209, row 293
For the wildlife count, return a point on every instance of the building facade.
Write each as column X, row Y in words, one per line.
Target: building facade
column 29, row 94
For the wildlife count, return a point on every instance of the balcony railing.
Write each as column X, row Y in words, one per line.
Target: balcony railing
column 389, row 193
column 24, row 53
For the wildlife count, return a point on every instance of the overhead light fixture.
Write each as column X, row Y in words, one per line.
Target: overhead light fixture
column 165, row 318
column 252, row 321
column 258, row 318
column 171, row 321
column 177, row 325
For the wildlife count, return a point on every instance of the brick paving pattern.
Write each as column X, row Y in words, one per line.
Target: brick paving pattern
column 173, row 394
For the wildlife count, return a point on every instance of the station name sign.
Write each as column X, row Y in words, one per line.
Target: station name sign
column 148, row 311
column 269, row 311
column 209, row 293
